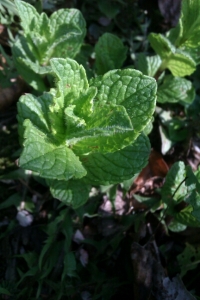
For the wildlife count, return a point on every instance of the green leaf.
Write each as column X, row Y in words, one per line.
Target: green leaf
column 118, row 166
column 78, row 120
column 31, row 258
column 73, row 192
column 72, row 79
column 103, row 124
column 110, row 9
column 180, row 63
column 130, row 88
column 148, row 65
column 51, row 258
column 176, row 89
column 26, row 64
column 51, row 230
column 186, row 217
column 69, row 32
column 27, row 13
column 161, row 45
column 31, row 272
column 61, row 35
column 48, row 159
column 69, row 265
column 189, row 259
column 102, row 131
column 4, row 291
column 176, row 226
column 174, row 188
column 148, row 127
column 36, row 110
column 110, row 53
column 186, row 34
column 67, row 229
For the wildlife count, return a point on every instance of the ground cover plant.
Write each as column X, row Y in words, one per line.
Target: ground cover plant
column 99, row 168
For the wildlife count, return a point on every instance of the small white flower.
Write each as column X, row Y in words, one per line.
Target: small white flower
column 24, row 218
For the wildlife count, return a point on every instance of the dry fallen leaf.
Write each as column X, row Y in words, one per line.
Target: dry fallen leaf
column 156, row 169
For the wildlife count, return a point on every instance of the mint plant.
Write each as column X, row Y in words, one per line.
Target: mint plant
column 61, row 35
column 179, row 52
column 182, row 186
column 84, row 131
column 177, row 56
column 87, row 130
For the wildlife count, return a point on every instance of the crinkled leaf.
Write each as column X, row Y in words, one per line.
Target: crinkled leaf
column 154, row 63
column 27, row 13
column 118, row 166
column 69, row 32
column 110, row 126
column 78, row 120
column 175, row 89
column 73, row 192
column 102, row 131
column 180, row 63
column 148, row 127
column 130, row 88
column 26, row 65
column 103, row 125
column 61, row 35
column 36, row 110
column 148, row 65
column 48, row 159
column 110, row 53
column 72, row 79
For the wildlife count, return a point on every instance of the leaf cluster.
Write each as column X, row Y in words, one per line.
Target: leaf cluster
column 83, row 131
